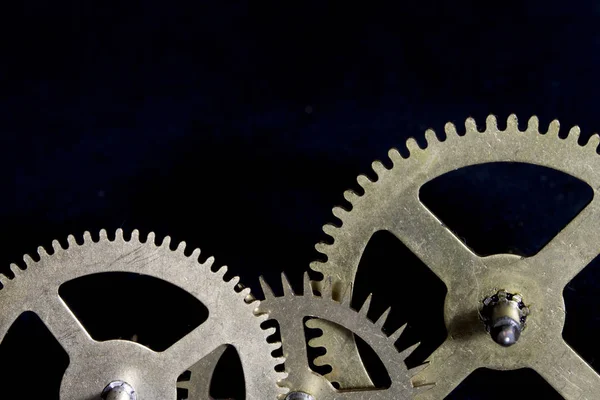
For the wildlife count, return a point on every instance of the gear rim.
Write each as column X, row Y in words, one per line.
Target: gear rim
column 457, row 151
column 35, row 288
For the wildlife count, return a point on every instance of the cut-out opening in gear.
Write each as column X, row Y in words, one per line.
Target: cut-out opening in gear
column 32, row 359
column 228, row 377
column 505, row 207
column 582, row 324
column 398, row 278
column 487, row 384
column 140, row 308
column 371, row 361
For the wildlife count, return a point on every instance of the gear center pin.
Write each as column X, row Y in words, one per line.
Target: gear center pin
column 118, row 390
column 504, row 315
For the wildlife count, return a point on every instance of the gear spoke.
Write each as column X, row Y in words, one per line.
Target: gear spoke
column 571, row 250
column 201, row 375
column 431, row 241
column 448, row 366
column 568, row 373
column 194, row 347
column 63, row 324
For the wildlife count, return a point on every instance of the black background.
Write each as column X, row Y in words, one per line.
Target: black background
column 236, row 127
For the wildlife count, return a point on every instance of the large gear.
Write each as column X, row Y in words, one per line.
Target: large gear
column 392, row 203
column 290, row 311
column 119, row 366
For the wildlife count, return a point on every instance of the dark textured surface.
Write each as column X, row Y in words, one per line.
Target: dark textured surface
column 237, row 127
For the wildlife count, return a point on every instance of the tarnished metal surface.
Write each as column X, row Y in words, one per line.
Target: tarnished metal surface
column 392, row 203
column 93, row 365
column 291, row 309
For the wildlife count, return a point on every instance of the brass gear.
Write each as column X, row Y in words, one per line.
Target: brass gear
column 392, row 203
column 290, row 311
column 152, row 375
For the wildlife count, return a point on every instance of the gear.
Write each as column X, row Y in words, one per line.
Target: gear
column 392, row 203
column 117, row 368
column 291, row 309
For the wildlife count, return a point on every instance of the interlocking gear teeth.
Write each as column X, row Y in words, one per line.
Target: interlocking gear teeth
column 35, row 289
column 290, row 310
column 391, row 203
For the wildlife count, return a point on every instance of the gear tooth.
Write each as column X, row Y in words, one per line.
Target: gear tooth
column 315, row 343
column 248, row 296
column 119, row 235
column 322, row 247
column 3, row 280
column 364, row 309
column 512, row 123
column 533, row 125
column 554, row 128
column 363, row 181
column 234, row 281
column 15, row 269
column 87, row 237
column 103, row 235
column 56, row 246
column 166, row 241
column 593, row 142
column 135, row 236
column 209, row 262
column 395, row 156
column 431, row 137
column 351, row 196
column 339, row 212
column 396, row 335
column 195, row 254
column 314, row 324
column 266, row 288
column 491, row 123
column 270, row 331
column 574, row 133
column 320, row 361
column 287, row 286
column 412, row 145
column 222, row 271
column 183, row 385
column 418, row 369
column 28, row 261
column 275, row 345
column 408, row 351
column 379, row 168
column 181, row 247
column 151, row 238
column 327, row 288
column 307, row 284
column 383, row 318
column 471, row 125
column 451, row 131
column 71, row 241
column 42, row 252
column 330, row 229
column 317, row 266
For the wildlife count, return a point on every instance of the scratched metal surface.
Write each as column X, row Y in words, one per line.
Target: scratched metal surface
column 110, row 115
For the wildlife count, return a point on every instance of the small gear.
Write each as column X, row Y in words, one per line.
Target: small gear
column 290, row 311
column 118, row 367
column 391, row 203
